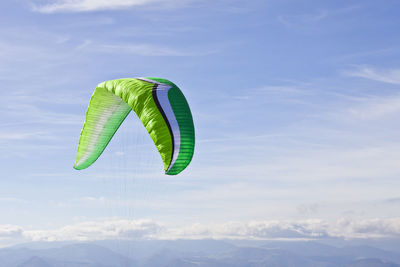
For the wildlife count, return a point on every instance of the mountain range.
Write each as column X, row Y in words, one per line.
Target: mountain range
column 182, row 253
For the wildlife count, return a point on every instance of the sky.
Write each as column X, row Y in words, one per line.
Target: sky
column 295, row 106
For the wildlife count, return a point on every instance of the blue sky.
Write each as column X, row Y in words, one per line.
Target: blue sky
column 295, row 104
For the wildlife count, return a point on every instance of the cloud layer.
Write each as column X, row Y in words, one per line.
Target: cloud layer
column 261, row 230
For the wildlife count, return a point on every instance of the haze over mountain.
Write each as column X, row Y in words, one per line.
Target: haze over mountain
column 185, row 253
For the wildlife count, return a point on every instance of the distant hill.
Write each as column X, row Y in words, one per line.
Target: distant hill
column 34, row 262
column 185, row 253
column 372, row 263
column 70, row 255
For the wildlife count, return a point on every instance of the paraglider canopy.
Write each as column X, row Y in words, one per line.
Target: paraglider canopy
column 158, row 103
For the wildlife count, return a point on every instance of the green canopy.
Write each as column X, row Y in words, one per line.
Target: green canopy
column 158, row 103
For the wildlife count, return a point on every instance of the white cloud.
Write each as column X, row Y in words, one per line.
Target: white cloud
column 289, row 229
column 261, row 230
column 391, row 76
column 371, row 228
column 274, row 229
column 94, row 5
column 111, row 229
column 10, row 231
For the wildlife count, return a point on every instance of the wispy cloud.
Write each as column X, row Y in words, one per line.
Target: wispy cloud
column 278, row 89
column 394, row 200
column 94, row 5
column 391, row 76
column 141, row 49
column 307, row 20
column 11, row 199
column 376, row 107
column 291, row 21
column 308, row 208
column 20, row 135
